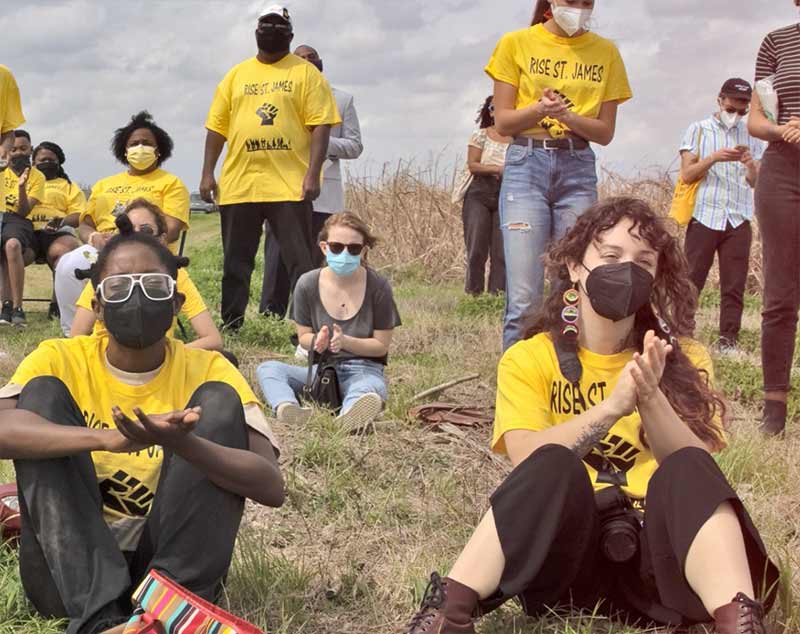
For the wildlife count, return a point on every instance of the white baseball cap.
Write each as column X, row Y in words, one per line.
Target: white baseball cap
column 276, row 9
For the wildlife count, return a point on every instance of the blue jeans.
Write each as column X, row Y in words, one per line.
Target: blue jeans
column 543, row 193
column 281, row 382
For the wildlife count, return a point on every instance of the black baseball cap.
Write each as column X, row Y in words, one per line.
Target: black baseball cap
column 736, row 88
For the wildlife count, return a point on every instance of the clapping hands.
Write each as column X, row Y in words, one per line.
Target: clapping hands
column 641, row 377
column 329, row 339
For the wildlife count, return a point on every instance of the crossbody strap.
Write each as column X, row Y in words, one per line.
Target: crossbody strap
column 311, row 360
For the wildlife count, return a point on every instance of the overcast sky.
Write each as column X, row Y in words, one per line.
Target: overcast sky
column 415, row 68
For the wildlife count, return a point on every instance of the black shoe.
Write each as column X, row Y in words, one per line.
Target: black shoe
column 5, row 314
column 53, row 312
column 18, row 318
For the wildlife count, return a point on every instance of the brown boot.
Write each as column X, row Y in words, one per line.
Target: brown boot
column 446, row 609
column 740, row 616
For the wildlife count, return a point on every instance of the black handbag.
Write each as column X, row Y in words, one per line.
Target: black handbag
column 323, row 390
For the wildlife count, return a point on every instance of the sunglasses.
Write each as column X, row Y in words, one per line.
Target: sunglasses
column 271, row 26
column 337, row 247
column 116, row 289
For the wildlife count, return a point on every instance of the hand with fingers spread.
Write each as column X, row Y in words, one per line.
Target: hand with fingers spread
column 650, row 366
column 23, row 179
column 167, row 430
column 322, row 341
column 338, row 339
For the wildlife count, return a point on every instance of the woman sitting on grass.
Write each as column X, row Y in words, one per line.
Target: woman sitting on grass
column 132, row 452
column 615, row 500
column 146, row 217
column 347, row 310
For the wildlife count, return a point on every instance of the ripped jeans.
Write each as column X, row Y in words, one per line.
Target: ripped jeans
column 543, row 193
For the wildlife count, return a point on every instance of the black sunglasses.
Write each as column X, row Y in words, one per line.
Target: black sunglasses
column 353, row 249
column 732, row 110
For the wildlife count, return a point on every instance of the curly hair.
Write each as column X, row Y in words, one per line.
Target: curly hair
column 139, row 121
column 485, row 115
column 673, row 299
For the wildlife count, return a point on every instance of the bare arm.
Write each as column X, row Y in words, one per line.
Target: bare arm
column 759, row 126
column 86, row 229
column 477, row 168
column 666, row 432
column 508, row 120
column 600, row 130
column 376, row 346
column 312, row 183
column 215, row 142
column 580, row 434
column 208, row 337
column 27, row 436
column 72, row 220
column 253, row 473
column 174, row 228
column 83, row 322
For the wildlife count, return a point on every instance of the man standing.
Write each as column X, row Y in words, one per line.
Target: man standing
column 345, row 144
column 720, row 152
column 275, row 111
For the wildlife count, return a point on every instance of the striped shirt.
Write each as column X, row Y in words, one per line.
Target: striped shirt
column 780, row 56
column 724, row 196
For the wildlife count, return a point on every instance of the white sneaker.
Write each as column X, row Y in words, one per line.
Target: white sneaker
column 361, row 414
column 293, row 414
column 301, row 354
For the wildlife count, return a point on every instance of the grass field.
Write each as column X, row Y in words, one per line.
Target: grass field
column 368, row 518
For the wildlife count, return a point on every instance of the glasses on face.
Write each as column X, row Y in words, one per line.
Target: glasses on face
column 145, row 228
column 353, row 249
column 491, row 108
column 116, row 289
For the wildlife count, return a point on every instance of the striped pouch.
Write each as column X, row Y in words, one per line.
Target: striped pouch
column 164, row 607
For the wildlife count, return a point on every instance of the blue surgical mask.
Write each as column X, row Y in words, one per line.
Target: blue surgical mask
column 343, row 264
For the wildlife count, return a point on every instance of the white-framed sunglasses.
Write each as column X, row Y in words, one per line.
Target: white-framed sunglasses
column 116, row 289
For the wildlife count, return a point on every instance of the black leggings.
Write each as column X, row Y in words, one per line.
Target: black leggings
column 549, row 530
column 70, row 563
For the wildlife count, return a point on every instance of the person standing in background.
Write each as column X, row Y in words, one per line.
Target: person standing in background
column 557, row 88
column 777, row 205
column 345, row 144
column 24, row 188
column 719, row 152
column 11, row 117
column 275, row 112
column 486, row 156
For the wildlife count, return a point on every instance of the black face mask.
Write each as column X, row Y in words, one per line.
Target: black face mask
column 273, row 41
column 19, row 163
column 140, row 322
column 618, row 291
column 50, row 169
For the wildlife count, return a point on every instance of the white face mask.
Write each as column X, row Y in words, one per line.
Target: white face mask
column 571, row 20
column 729, row 119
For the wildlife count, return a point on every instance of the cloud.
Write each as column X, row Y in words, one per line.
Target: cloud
column 415, row 68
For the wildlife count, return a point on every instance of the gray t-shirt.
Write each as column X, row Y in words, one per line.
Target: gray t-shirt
column 377, row 312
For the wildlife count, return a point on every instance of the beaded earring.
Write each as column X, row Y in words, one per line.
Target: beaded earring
column 570, row 314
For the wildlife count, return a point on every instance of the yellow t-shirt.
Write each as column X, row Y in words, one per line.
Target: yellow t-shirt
column 264, row 111
column 34, row 188
column 586, row 70
column 11, row 116
column 127, row 481
column 192, row 307
column 110, row 195
column 532, row 394
column 61, row 199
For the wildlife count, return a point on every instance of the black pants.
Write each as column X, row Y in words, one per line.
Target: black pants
column 275, row 288
column 549, row 529
column 483, row 237
column 733, row 246
column 70, row 563
column 241, row 232
column 778, row 212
